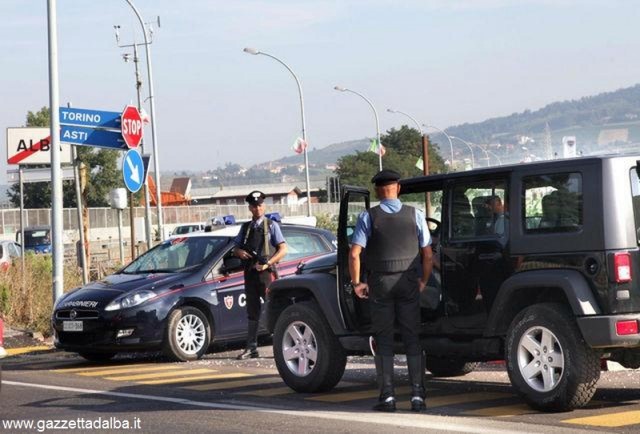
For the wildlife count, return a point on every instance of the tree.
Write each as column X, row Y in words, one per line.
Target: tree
column 102, row 164
column 403, row 148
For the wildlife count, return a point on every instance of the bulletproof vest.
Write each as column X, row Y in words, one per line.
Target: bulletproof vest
column 253, row 238
column 393, row 244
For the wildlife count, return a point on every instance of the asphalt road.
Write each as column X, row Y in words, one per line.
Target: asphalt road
column 221, row 394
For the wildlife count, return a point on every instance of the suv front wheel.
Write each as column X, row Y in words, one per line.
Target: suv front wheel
column 548, row 361
column 308, row 355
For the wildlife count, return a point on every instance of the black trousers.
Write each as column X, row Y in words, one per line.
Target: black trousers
column 255, row 284
column 395, row 299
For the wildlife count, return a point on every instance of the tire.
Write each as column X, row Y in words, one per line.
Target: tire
column 188, row 335
column 97, row 357
column 299, row 370
column 567, row 375
column 448, row 367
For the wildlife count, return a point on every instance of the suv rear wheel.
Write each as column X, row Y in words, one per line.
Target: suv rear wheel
column 308, row 355
column 448, row 367
column 548, row 361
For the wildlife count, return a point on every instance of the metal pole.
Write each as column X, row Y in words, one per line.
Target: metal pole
column 304, row 128
column 133, row 228
column 120, row 243
column 56, row 175
column 448, row 138
column 22, row 243
column 473, row 163
column 152, row 104
column 83, row 253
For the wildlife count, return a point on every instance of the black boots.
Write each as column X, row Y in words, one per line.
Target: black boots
column 251, row 352
column 415, row 366
column 384, row 371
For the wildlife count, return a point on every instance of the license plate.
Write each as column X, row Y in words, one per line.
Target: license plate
column 72, row 326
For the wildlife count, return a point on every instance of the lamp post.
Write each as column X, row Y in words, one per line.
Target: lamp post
column 375, row 113
column 495, row 156
column 448, row 138
column 473, row 162
column 152, row 115
column 304, row 128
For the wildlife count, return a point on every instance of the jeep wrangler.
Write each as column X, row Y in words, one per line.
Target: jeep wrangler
column 534, row 264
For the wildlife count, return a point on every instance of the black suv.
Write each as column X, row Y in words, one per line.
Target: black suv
column 537, row 264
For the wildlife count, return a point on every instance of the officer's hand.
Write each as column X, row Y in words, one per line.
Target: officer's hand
column 362, row 290
column 242, row 254
column 261, row 267
column 422, row 285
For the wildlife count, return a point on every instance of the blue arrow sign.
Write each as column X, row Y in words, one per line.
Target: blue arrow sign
column 89, row 118
column 90, row 137
column 133, row 170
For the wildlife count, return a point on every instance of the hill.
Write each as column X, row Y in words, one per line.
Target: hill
column 328, row 154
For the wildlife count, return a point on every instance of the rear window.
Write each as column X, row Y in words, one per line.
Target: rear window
column 635, row 199
column 552, row 203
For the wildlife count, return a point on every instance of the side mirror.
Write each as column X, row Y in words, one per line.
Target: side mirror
column 231, row 264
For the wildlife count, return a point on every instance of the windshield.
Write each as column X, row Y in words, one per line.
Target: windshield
column 178, row 254
column 37, row 238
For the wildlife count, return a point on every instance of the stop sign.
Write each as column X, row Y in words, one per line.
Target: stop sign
column 131, row 126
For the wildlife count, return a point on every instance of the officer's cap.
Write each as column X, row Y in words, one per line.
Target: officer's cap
column 385, row 177
column 255, row 197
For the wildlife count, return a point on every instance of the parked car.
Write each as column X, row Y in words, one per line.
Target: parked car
column 36, row 239
column 9, row 251
column 180, row 296
column 550, row 283
column 187, row 228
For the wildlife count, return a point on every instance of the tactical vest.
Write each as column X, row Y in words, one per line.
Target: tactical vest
column 254, row 238
column 393, row 244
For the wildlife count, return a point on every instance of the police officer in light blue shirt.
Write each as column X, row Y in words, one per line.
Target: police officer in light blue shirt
column 398, row 265
column 253, row 247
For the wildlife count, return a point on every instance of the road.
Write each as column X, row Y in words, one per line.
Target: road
column 221, row 394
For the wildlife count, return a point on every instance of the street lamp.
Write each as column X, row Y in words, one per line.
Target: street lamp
column 448, row 138
column 375, row 113
column 304, row 129
column 495, row 156
column 473, row 163
column 152, row 115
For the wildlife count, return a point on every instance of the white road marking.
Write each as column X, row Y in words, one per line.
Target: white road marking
column 424, row 421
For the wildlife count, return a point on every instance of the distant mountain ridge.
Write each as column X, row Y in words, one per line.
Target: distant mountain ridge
column 591, row 119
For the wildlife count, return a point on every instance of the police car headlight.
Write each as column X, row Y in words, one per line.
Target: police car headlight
column 130, row 300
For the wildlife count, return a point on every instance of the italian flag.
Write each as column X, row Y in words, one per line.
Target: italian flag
column 373, row 147
column 300, row 145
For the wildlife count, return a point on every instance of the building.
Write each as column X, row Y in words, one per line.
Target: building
column 287, row 194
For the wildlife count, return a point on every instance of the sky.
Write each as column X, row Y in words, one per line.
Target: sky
column 445, row 62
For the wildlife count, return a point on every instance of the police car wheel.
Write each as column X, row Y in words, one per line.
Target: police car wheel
column 308, row 355
column 97, row 357
column 188, row 334
column 548, row 361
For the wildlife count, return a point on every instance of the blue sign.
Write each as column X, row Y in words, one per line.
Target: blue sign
column 89, row 118
column 90, row 137
column 133, row 170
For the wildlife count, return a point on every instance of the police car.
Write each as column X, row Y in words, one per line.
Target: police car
column 179, row 297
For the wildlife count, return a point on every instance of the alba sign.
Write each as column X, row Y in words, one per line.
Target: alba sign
column 30, row 145
column 131, row 126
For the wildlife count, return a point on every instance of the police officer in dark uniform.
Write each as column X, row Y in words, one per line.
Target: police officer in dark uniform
column 253, row 247
column 398, row 264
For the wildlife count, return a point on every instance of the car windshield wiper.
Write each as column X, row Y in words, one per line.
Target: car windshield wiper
column 156, row 270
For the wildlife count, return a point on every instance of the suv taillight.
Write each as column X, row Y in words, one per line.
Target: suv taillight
column 622, row 267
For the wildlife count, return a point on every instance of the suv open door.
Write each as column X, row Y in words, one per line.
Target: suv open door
column 355, row 200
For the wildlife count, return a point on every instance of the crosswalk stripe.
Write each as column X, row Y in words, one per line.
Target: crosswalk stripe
column 354, row 396
column 501, row 411
column 184, row 372
column 97, row 368
column 236, row 384
column 274, row 391
column 125, row 370
column 608, row 420
column 464, row 398
column 197, row 378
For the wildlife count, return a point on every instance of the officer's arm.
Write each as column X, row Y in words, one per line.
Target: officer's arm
column 361, row 289
column 237, row 251
column 427, row 265
column 281, row 250
column 277, row 240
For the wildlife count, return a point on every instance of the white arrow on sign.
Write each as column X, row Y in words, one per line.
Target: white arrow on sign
column 135, row 175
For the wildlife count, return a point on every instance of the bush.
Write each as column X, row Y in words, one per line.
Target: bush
column 27, row 303
column 328, row 222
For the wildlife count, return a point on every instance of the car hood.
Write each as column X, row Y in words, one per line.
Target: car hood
column 320, row 264
column 99, row 294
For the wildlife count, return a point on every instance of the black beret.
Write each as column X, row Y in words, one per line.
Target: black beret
column 385, row 177
column 255, row 197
